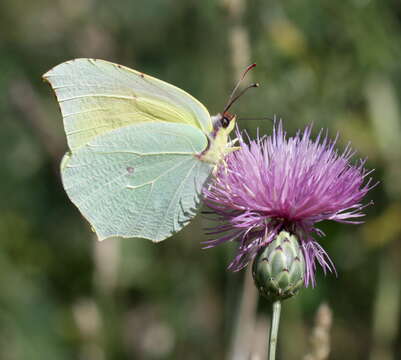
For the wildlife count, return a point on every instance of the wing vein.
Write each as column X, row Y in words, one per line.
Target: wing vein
column 97, row 95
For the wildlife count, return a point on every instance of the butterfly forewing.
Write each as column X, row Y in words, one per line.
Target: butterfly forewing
column 96, row 96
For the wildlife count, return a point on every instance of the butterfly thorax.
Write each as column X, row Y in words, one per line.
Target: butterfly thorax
column 218, row 144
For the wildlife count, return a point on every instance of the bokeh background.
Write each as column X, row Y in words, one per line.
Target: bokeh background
column 63, row 295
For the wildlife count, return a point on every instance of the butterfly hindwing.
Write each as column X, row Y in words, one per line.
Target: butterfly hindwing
column 140, row 180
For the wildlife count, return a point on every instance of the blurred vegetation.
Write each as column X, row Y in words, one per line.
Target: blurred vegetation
column 66, row 296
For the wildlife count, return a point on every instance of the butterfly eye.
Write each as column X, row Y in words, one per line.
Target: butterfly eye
column 225, row 121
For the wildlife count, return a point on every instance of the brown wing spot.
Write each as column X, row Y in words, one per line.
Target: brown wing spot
column 130, row 170
column 142, row 75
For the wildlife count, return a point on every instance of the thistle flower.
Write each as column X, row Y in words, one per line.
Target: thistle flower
column 276, row 184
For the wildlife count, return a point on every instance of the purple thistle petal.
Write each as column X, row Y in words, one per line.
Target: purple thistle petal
column 277, row 183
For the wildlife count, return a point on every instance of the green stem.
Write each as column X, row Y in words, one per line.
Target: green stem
column 274, row 329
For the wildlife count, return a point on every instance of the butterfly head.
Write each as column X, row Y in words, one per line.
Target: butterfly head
column 223, row 122
column 218, row 145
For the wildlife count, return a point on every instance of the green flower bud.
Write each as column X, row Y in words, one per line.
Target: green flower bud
column 279, row 269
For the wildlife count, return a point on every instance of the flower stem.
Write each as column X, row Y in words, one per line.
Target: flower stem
column 274, row 329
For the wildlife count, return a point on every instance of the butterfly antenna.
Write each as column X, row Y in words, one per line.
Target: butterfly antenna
column 232, row 99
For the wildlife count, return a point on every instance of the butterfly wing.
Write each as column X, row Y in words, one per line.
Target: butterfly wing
column 97, row 96
column 140, row 180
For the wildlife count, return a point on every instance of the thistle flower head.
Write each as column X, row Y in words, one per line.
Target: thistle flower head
column 278, row 183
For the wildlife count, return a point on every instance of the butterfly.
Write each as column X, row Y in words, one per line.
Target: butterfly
column 140, row 149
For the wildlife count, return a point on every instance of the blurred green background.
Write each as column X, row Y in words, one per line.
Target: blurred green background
column 63, row 295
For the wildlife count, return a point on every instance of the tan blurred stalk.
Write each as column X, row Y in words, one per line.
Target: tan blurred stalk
column 294, row 342
column 240, row 56
column 259, row 338
column 238, row 37
column 106, row 256
column 385, row 118
column 25, row 100
column 243, row 335
column 320, row 337
column 88, row 321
